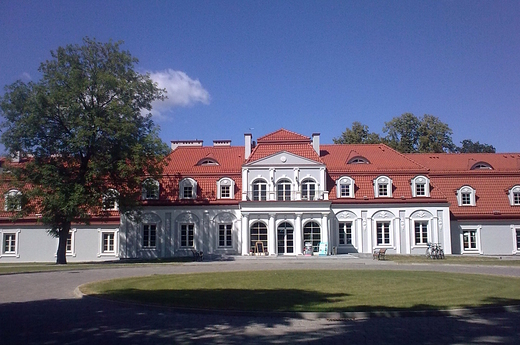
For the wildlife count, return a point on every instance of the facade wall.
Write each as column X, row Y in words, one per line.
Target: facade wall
column 490, row 238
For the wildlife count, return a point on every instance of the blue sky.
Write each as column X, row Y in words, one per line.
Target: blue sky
column 307, row 66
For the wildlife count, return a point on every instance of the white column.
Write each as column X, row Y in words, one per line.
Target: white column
column 325, row 230
column 245, row 189
column 245, row 234
column 298, row 241
column 271, row 238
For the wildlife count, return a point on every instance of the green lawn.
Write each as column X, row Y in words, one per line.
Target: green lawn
column 314, row 290
column 457, row 259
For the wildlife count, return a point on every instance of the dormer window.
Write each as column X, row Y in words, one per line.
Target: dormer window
column 150, row 189
column 13, row 200
column 110, row 200
column 420, row 186
column 345, row 187
column 481, row 166
column 207, row 161
column 466, row 196
column 383, row 187
column 187, row 188
column 514, row 196
column 225, row 188
column 358, row 160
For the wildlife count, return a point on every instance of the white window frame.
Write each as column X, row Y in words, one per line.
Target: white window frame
column 345, row 181
column 467, row 228
column 466, row 190
column 259, row 182
column 151, row 189
column 3, row 236
column 308, row 181
column 515, row 229
column 418, row 181
column 115, row 233
column 13, row 201
column 227, row 227
column 72, row 250
column 143, row 230
column 283, row 182
column 512, row 192
column 188, row 182
column 383, row 180
column 225, row 182
column 111, row 196
column 390, row 233
column 341, row 230
column 187, row 229
column 425, row 241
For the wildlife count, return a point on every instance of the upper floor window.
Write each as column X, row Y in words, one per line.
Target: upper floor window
column 110, row 200
column 481, row 166
column 259, row 190
column 150, row 189
column 283, row 190
column 514, row 196
column 187, row 188
column 13, row 200
column 466, row 196
column 225, row 188
column 420, row 186
column 308, row 189
column 382, row 187
column 358, row 160
column 345, row 187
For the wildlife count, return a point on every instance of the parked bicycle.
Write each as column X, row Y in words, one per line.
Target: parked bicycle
column 434, row 251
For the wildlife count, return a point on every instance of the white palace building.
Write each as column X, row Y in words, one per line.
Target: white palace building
column 287, row 194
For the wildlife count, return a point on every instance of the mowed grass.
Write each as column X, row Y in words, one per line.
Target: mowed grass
column 457, row 260
column 313, row 290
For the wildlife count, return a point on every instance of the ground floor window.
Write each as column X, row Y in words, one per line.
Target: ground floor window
column 345, row 233
column 224, row 235
column 517, row 240
column 421, row 232
column 383, row 233
column 108, row 242
column 312, row 233
column 149, row 235
column 258, row 233
column 469, row 238
column 9, row 243
column 285, row 238
column 187, row 235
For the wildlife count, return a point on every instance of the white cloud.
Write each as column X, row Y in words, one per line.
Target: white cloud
column 182, row 91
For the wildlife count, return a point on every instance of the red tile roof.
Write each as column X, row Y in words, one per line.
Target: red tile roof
column 283, row 135
column 462, row 162
column 266, row 150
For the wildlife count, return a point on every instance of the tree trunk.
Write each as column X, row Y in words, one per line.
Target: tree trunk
column 63, row 234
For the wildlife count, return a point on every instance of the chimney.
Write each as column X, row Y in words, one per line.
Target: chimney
column 220, row 143
column 192, row 143
column 316, row 142
column 247, row 138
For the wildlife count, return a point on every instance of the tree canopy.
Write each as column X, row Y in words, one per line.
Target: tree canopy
column 359, row 134
column 84, row 134
column 468, row 146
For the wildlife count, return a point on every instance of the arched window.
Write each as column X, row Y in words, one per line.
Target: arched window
column 13, row 200
column 420, row 186
column 285, row 239
column 345, row 187
column 283, row 190
column 382, row 187
column 258, row 233
column 308, row 189
column 481, row 166
column 188, row 188
column 514, row 196
column 358, row 160
column 207, row 161
column 110, row 200
column 312, row 233
column 466, row 196
column 259, row 190
column 150, row 189
column 225, row 188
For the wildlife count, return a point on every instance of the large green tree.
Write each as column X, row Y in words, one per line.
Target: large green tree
column 82, row 132
column 358, row 134
column 468, row 146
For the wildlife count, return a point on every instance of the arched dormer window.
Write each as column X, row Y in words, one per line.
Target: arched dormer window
column 188, row 188
column 225, row 188
column 13, row 200
column 111, row 200
column 466, row 196
column 207, row 161
column 308, row 189
column 420, row 186
column 358, row 160
column 283, row 190
column 259, row 188
column 383, row 187
column 514, row 196
column 481, row 166
column 150, row 189
column 345, row 187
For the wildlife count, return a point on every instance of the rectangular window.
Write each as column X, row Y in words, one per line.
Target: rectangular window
column 383, row 189
column 421, row 232
column 518, row 240
column 68, row 249
column 466, row 198
column 470, row 239
column 187, row 192
column 187, row 235
column 383, row 233
column 259, row 192
column 225, row 191
column 108, row 242
column 224, row 235
column 516, row 198
column 345, row 190
column 9, row 246
column 149, row 235
column 420, row 189
column 345, row 233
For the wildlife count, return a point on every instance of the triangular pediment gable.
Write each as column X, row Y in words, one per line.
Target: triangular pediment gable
column 283, row 136
column 284, row 158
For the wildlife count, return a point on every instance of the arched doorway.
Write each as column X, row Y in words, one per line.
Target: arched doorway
column 312, row 233
column 258, row 233
column 285, row 238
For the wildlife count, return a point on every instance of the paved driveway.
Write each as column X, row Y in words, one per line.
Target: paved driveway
column 42, row 308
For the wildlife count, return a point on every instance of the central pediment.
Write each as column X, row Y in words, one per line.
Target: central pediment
column 284, row 159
